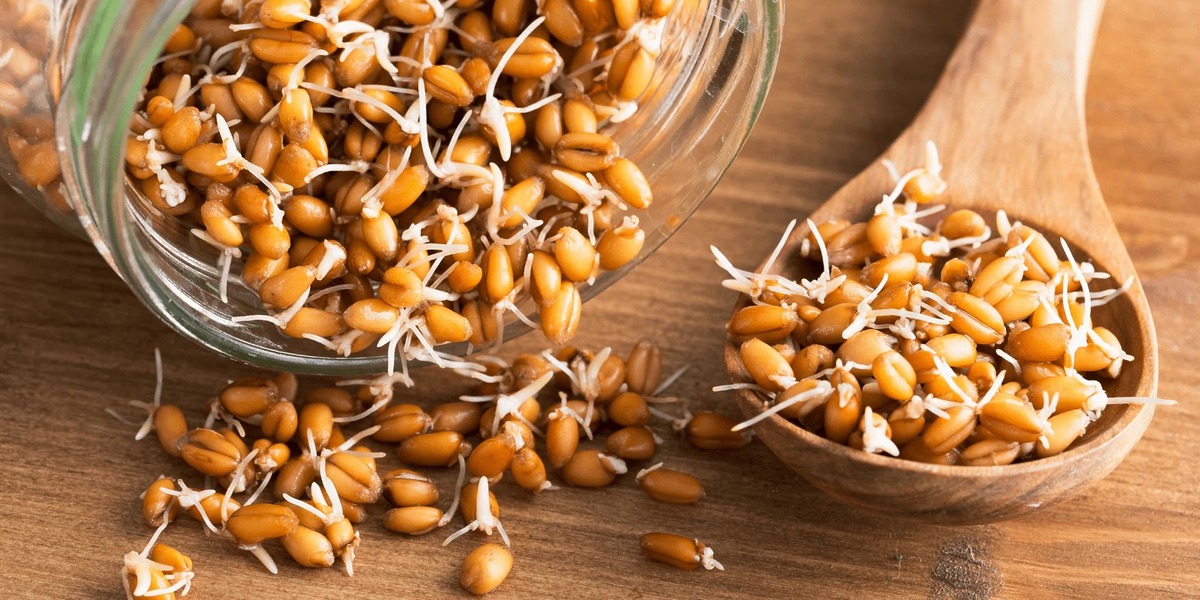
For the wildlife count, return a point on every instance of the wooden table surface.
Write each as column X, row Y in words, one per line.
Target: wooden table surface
column 74, row 341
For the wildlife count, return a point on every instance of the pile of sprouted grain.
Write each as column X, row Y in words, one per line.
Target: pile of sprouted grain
column 26, row 122
column 403, row 173
column 943, row 344
column 269, row 438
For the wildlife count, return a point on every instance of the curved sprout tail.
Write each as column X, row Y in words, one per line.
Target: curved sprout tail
column 263, row 557
column 708, row 562
column 458, row 486
column 146, row 426
column 491, row 115
column 654, row 467
column 237, row 483
column 822, row 390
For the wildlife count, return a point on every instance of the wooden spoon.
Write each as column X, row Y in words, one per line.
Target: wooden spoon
column 1007, row 117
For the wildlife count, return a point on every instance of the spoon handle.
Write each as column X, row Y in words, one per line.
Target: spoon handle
column 1031, row 56
column 1007, row 113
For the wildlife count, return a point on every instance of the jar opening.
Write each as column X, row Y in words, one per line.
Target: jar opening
column 699, row 111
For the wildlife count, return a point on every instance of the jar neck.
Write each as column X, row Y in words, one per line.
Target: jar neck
column 103, row 53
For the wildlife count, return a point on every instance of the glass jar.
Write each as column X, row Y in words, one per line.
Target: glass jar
column 72, row 70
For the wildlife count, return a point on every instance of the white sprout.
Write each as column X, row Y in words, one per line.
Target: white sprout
column 237, row 482
column 839, row 365
column 188, row 498
column 462, row 476
column 708, row 562
column 1079, row 331
column 150, row 407
column 235, row 158
column 929, row 403
column 991, row 391
column 484, row 521
column 677, row 423
column 863, row 313
column 217, row 411
column 670, row 380
column 1049, row 407
column 819, row 392
column 825, row 283
column 941, row 246
column 647, row 471
column 566, row 411
column 139, row 565
column 228, row 253
column 510, row 404
column 874, row 435
column 1009, row 359
column 492, row 113
column 728, row 387
column 616, row 465
column 750, row 283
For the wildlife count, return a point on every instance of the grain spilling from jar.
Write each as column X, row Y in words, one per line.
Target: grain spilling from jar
column 278, row 462
column 404, row 175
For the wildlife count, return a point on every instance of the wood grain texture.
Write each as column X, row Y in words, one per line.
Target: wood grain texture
column 852, row 76
column 1016, row 80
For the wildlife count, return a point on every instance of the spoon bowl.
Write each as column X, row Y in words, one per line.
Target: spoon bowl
column 1007, row 116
